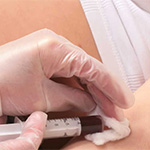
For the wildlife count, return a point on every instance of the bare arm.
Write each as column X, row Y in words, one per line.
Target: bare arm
column 65, row 17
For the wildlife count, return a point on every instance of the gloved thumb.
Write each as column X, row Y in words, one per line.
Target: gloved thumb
column 31, row 136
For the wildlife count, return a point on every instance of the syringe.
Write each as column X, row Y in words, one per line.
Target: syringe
column 58, row 128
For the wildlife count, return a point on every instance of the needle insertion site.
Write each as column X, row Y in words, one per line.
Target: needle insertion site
column 58, row 128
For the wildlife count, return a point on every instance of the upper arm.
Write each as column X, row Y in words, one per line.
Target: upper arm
column 65, row 17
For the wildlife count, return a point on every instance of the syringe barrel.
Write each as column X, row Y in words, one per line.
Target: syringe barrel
column 69, row 127
column 58, row 128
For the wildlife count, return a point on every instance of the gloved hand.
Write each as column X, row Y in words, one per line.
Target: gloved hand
column 31, row 136
column 28, row 64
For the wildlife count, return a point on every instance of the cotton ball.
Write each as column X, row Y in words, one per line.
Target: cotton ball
column 118, row 130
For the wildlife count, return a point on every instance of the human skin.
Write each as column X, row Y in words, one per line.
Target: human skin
column 64, row 17
column 21, row 17
column 139, row 119
column 144, row 4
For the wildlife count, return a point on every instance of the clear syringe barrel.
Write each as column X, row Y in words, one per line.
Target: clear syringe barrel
column 58, row 128
column 68, row 127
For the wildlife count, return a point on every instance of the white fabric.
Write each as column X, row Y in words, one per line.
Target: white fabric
column 122, row 34
column 117, row 131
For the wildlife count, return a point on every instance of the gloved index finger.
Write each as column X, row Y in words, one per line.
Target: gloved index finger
column 66, row 60
column 94, row 73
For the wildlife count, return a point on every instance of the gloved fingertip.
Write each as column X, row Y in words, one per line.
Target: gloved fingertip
column 37, row 120
column 131, row 102
column 120, row 116
column 126, row 99
column 128, row 102
column 116, row 113
column 33, row 130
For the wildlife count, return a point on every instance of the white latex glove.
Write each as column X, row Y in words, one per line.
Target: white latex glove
column 31, row 136
column 27, row 64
